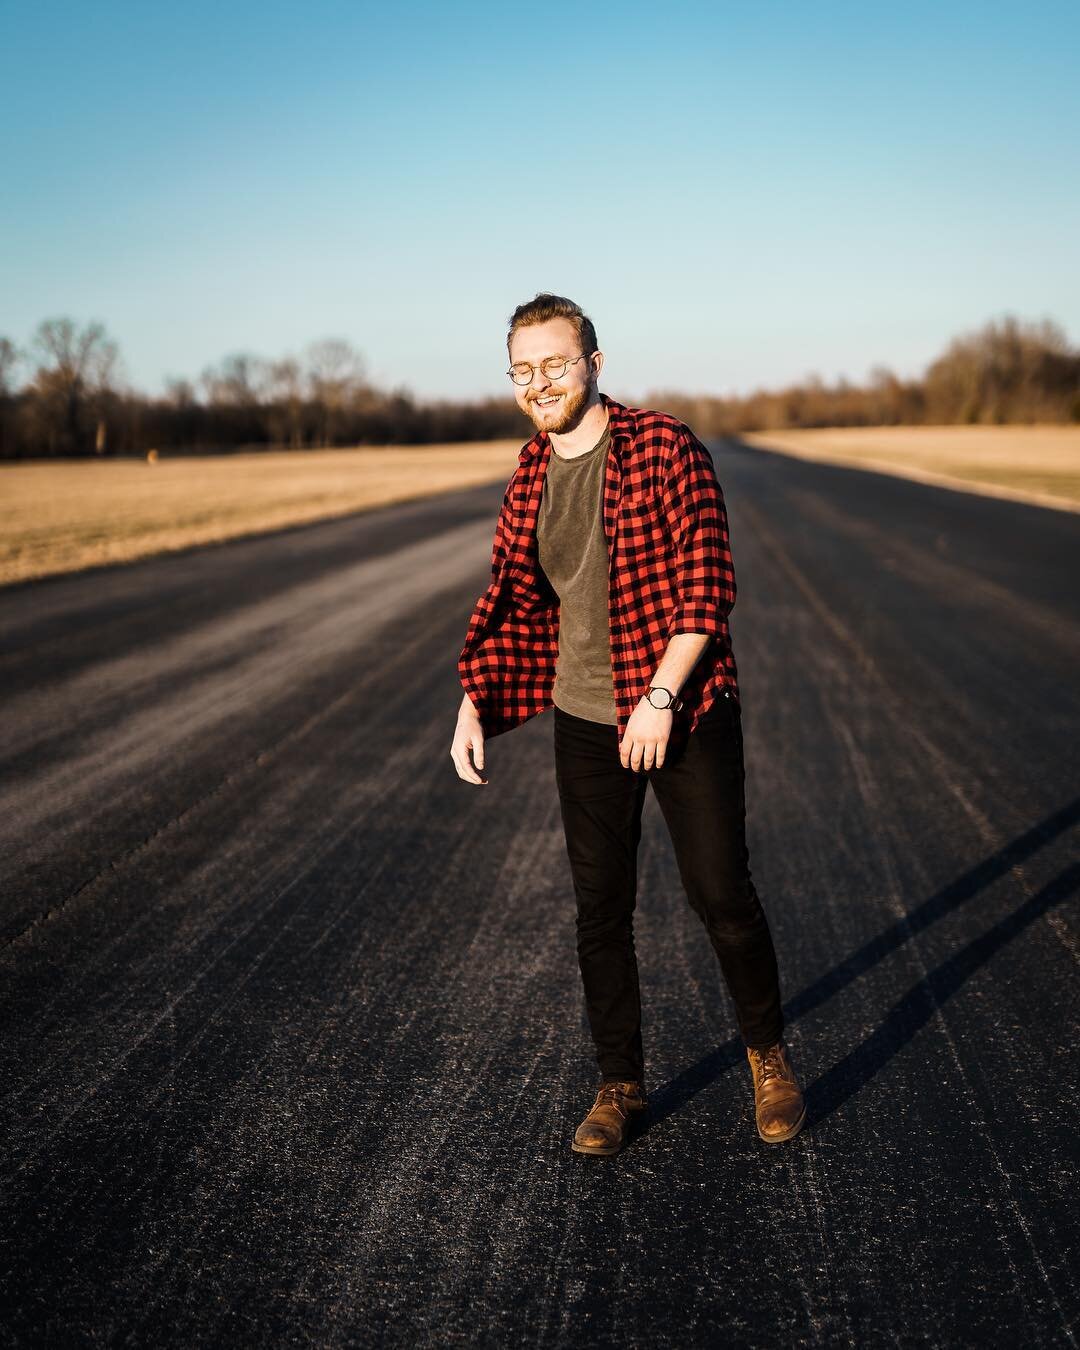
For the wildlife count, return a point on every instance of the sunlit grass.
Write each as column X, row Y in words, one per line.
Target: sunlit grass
column 60, row 517
column 1030, row 461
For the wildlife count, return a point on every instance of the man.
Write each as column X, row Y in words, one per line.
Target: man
column 611, row 586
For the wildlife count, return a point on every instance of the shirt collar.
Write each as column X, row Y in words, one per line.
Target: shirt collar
column 618, row 421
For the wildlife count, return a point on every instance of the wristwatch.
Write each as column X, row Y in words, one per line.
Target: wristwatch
column 673, row 703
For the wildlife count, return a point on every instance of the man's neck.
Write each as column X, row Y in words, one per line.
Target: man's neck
column 587, row 432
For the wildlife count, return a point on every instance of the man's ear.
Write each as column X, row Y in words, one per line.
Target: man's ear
column 596, row 361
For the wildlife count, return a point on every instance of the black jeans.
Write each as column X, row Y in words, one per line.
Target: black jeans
column 700, row 788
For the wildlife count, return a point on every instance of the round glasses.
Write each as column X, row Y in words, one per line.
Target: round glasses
column 552, row 368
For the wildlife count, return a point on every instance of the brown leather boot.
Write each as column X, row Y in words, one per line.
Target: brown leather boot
column 778, row 1100
column 604, row 1129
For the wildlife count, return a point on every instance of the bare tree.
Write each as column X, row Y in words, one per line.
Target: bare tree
column 9, row 359
column 286, row 386
column 336, row 381
column 1006, row 371
column 179, row 393
column 73, row 382
column 237, row 382
column 236, row 393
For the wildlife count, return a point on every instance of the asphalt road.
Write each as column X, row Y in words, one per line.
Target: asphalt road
column 293, row 1039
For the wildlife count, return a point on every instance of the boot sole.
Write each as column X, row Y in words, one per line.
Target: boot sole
column 782, row 1138
column 595, row 1150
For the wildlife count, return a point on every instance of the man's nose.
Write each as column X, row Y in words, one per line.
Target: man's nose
column 538, row 374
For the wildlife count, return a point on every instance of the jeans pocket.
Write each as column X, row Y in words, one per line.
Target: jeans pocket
column 724, row 718
column 723, row 708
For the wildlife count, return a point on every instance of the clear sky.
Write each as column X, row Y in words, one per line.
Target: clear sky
column 738, row 194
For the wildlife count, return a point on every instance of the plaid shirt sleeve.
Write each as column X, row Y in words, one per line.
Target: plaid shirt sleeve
column 500, row 545
column 507, row 665
column 485, row 612
column 693, row 503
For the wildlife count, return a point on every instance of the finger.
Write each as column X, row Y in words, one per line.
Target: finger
column 478, row 752
column 464, row 770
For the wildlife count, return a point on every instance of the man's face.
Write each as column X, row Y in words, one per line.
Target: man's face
column 553, row 405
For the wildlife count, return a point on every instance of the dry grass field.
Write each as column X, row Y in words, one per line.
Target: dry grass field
column 1035, row 463
column 63, row 517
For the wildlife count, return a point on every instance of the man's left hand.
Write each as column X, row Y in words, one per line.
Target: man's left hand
column 647, row 734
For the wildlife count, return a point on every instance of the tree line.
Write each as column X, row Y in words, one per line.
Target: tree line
column 1007, row 371
column 73, row 402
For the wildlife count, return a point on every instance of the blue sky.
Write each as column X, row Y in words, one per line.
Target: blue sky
column 738, row 195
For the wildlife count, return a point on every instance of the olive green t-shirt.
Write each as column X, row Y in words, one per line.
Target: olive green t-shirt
column 574, row 554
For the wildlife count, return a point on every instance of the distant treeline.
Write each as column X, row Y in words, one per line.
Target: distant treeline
column 1006, row 372
column 72, row 401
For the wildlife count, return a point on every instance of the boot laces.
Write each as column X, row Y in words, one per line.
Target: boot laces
column 612, row 1094
column 770, row 1064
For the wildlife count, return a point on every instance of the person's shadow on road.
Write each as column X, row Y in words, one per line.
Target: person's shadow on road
column 905, row 1018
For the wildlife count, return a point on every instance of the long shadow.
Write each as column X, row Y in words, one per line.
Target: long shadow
column 902, row 1021
column 919, row 1004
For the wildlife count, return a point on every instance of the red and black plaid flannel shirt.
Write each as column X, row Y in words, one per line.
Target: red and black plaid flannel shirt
column 671, row 572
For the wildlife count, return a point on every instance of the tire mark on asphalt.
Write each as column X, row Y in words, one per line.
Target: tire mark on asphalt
column 132, row 855
column 947, row 773
column 370, row 792
column 938, row 572
column 397, row 1169
column 875, row 809
column 312, row 854
column 947, row 770
column 195, row 707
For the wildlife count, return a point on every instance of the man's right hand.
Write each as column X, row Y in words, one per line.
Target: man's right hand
column 468, row 736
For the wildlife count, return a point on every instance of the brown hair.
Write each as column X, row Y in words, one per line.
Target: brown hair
column 547, row 306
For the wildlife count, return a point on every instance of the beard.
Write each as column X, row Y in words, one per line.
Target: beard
column 564, row 416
